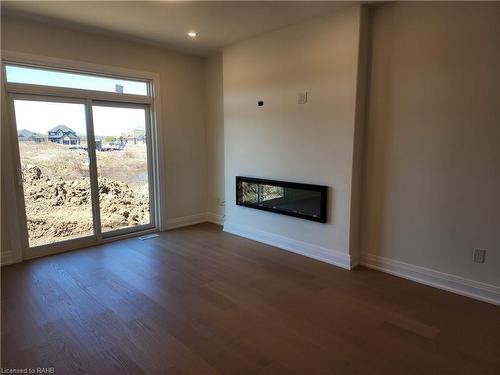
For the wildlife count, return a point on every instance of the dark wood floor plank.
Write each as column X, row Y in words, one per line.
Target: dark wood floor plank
column 199, row 301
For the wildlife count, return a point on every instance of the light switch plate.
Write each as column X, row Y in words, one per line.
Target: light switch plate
column 302, row 97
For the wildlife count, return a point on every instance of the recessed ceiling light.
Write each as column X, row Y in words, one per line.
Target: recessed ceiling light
column 192, row 34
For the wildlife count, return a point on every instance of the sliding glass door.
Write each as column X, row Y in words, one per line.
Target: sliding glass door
column 86, row 165
column 124, row 173
column 54, row 169
column 85, row 169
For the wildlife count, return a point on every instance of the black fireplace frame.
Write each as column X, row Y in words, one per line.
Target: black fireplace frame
column 323, row 190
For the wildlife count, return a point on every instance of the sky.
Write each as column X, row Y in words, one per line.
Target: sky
column 40, row 117
column 37, row 76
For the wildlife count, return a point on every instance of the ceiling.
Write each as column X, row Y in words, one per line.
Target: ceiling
column 166, row 23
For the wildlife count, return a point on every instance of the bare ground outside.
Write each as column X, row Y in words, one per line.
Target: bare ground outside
column 58, row 196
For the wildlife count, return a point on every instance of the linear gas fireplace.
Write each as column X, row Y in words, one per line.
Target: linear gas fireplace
column 287, row 198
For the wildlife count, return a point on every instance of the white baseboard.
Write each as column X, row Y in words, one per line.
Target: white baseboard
column 323, row 254
column 10, row 257
column 185, row 221
column 466, row 287
column 215, row 218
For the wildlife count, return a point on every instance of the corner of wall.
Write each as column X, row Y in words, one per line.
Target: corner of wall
column 214, row 126
column 360, row 117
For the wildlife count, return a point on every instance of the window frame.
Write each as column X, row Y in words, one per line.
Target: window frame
column 88, row 97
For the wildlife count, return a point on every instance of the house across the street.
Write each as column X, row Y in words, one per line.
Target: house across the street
column 27, row 135
column 63, row 135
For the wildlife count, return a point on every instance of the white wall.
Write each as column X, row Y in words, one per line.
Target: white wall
column 311, row 143
column 183, row 107
column 432, row 166
column 214, row 111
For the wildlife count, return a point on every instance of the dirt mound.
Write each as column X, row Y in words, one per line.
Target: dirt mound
column 62, row 208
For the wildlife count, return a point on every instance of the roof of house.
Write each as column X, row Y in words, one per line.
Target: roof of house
column 64, row 135
column 66, row 132
column 63, row 128
column 24, row 133
column 28, row 134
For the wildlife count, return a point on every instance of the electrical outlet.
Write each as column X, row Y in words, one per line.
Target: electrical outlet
column 479, row 255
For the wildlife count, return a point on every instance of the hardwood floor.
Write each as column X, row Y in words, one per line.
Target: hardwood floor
column 200, row 301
